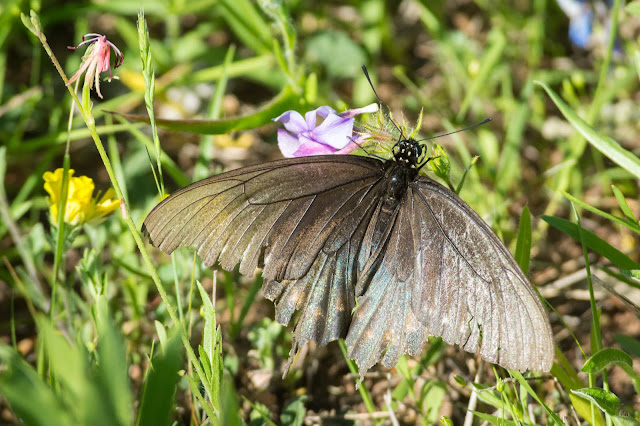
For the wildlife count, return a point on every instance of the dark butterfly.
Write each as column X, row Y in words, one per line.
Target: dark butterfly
column 366, row 250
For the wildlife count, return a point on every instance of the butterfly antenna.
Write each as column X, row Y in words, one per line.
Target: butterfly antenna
column 486, row 120
column 366, row 74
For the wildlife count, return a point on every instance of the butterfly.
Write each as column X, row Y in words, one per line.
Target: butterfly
column 365, row 249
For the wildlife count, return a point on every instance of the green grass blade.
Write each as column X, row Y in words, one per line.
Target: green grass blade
column 604, row 144
column 634, row 227
column 33, row 402
column 593, row 242
column 622, row 202
column 494, row 419
column 112, row 364
column 157, row 401
column 498, row 42
column 83, row 394
column 525, row 384
column 523, row 245
column 287, row 99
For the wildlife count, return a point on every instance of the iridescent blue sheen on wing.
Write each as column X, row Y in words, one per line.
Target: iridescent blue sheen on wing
column 330, row 230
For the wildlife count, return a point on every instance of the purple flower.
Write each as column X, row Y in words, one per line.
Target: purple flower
column 333, row 136
column 96, row 60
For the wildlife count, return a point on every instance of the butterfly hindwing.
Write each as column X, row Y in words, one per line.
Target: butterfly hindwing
column 445, row 273
column 472, row 292
column 384, row 319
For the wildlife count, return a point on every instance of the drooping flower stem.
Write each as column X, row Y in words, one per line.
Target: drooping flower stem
column 34, row 26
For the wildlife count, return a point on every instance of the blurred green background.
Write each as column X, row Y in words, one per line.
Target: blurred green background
column 560, row 82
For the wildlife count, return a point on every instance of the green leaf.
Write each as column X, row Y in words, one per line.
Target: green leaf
column 432, row 396
column 156, row 406
column 205, row 362
column 162, row 334
column 217, row 370
column 229, row 408
column 624, row 421
column 33, row 402
column 335, row 50
column 525, row 384
column 605, row 400
column 633, row 8
column 287, row 99
column 604, row 144
column 86, row 398
column 211, row 350
column 209, row 321
column 293, row 414
column 446, row 421
column 402, row 389
column 260, row 414
column 569, row 379
column 593, row 242
column 523, row 245
column 603, row 358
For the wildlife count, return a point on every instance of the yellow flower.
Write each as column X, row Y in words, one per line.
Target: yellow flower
column 81, row 207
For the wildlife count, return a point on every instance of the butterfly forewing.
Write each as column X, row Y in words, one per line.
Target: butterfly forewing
column 306, row 237
column 244, row 212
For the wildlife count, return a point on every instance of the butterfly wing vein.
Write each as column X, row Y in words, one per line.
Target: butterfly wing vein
column 438, row 269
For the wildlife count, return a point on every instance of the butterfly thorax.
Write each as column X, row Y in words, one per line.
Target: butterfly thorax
column 400, row 171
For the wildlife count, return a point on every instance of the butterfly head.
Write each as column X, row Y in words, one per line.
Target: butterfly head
column 408, row 152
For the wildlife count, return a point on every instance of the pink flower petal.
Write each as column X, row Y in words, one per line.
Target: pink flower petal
column 312, row 116
column 324, row 111
column 334, row 131
column 371, row 108
column 293, row 121
column 313, row 148
column 287, row 143
column 310, row 119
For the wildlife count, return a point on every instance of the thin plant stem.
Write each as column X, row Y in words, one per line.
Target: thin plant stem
column 137, row 236
column 595, row 314
column 62, row 209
